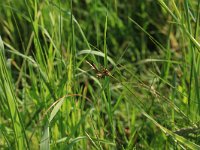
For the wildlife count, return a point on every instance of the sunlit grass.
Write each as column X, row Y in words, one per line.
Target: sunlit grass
column 143, row 93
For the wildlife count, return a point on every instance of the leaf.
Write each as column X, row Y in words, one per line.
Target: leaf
column 45, row 144
column 179, row 138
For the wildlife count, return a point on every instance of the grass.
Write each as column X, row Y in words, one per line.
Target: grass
column 146, row 52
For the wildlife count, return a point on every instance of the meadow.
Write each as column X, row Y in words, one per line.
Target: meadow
column 94, row 74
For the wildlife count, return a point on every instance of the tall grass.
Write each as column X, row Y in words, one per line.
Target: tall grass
column 51, row 98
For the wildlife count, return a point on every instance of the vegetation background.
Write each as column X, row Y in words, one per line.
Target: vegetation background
column 146, row 54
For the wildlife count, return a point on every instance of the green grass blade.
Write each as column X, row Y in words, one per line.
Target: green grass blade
column 45, row 140
column 11, row 101
column 179, row 138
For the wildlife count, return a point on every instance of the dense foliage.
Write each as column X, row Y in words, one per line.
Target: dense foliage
column 96, row 74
